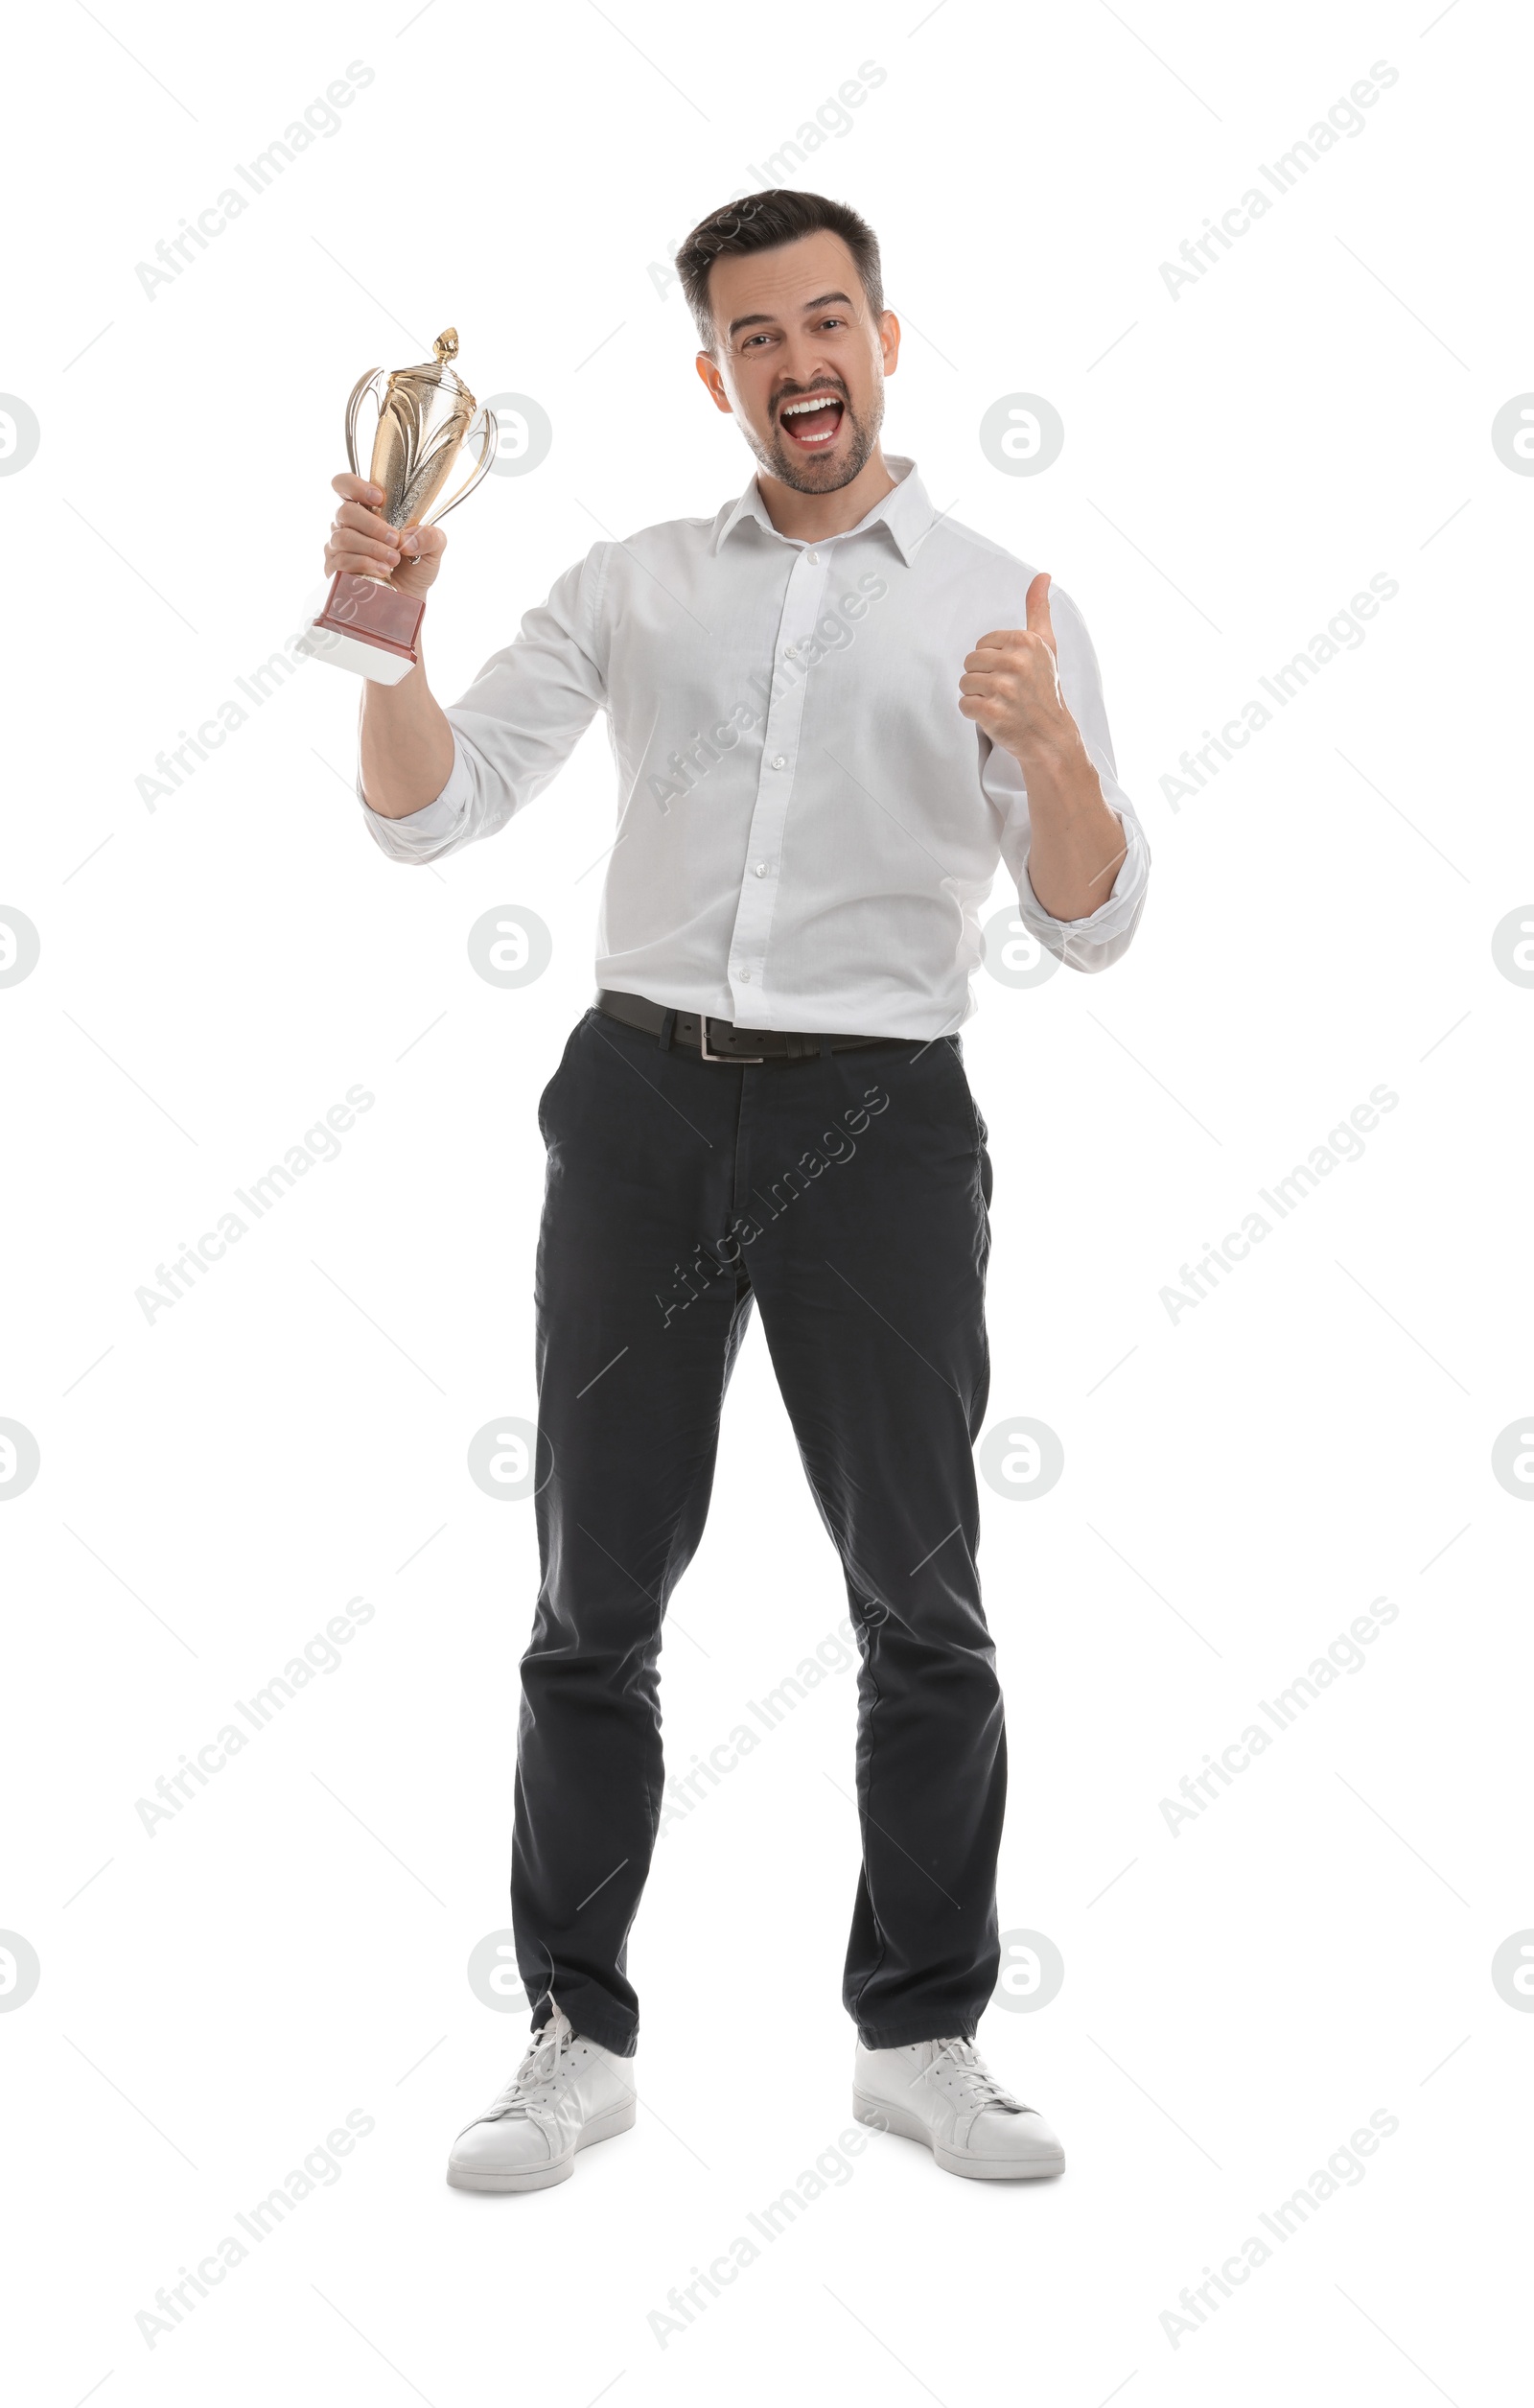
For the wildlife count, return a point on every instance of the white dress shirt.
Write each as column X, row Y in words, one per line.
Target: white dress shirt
column 808, row 825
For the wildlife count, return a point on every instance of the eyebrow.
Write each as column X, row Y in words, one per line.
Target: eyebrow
column 763, row 318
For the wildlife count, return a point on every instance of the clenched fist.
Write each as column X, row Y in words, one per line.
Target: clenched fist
column 365, row 544
column 1011, row 687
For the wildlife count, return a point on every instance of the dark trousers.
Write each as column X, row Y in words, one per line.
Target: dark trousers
column 849, row 1195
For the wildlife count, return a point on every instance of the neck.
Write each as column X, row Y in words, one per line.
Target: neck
column 809, row 516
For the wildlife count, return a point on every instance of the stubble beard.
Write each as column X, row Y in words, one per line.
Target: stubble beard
column 808, row 474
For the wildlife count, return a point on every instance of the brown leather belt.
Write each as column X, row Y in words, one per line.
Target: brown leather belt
column 720, row 1040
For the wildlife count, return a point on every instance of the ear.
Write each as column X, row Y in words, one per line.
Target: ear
column 888, row 326
column 709, row 373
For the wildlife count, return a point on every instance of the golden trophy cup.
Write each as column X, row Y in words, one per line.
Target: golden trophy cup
column 426, row 415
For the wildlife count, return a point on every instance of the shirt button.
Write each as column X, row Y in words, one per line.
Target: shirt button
column 779, row 760
column 761, row 869
column 790, row 652
column 743, row 975
column 814, row 559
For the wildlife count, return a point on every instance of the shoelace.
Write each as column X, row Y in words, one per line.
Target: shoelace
column 538, row 2070
column 979, row 2085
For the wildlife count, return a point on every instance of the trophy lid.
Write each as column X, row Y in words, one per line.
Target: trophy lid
column 436, row 372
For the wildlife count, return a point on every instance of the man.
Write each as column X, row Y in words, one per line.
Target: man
column 834, row 713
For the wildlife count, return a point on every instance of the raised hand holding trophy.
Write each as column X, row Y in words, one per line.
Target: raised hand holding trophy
column 425, row 416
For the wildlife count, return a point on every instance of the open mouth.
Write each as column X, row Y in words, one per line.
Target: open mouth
column 812, row 420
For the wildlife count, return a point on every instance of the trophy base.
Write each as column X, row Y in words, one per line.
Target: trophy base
column 367, row 627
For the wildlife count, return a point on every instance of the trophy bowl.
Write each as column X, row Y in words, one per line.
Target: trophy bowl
column 426, row 416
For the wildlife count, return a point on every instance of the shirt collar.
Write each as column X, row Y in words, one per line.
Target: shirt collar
column 906, row 511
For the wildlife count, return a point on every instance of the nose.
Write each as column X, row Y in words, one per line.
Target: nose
column 802, row 369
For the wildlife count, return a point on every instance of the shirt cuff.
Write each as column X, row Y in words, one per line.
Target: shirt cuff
column 421, row 835
column 1098, row 938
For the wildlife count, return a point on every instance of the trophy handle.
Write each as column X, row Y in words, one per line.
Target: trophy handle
column 489, row 439
column 365, row 384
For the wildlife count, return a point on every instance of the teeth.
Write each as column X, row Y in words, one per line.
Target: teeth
column 792, row 410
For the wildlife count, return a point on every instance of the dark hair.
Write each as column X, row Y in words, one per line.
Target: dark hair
column 763, row 222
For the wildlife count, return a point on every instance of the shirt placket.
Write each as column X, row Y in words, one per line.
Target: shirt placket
column 748, row 972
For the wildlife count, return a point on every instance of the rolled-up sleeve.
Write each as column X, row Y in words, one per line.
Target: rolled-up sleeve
column 1094, row 942
column 517, row 725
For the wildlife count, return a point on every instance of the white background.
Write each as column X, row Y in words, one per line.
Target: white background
column 1239, row 1484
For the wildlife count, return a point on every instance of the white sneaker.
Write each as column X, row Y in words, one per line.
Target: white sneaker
column 941, row 2093
column 566, row 2095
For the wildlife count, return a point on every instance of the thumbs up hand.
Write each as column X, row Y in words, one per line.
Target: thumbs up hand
column 1011, row 687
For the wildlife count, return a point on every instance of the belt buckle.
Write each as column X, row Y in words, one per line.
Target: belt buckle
column 706, row 1056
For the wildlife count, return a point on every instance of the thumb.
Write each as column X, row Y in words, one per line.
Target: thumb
column 1039, row 622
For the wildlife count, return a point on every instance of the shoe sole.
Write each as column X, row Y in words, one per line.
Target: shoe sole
column 559, row 2169
column 978, row 2169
